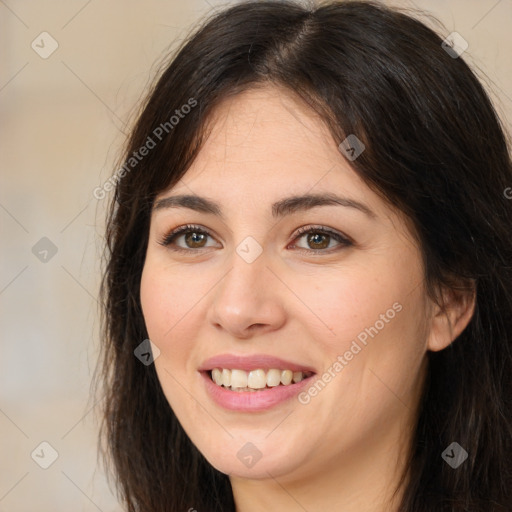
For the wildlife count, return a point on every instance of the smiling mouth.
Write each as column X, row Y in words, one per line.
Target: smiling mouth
column 256, row 380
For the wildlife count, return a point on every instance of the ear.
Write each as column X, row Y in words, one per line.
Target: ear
column 451, row 317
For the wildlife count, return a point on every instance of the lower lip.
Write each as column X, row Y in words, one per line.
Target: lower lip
column 252, row 401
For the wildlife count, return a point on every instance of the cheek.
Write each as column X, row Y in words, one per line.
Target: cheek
column 166, row 301
column 374, row 317
column 174, row 314
column 382, row 356
column 168, row 293
column 174, row 304
column 345, row 302
column 155, row 301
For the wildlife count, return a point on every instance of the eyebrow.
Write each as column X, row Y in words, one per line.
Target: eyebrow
column 283, row 207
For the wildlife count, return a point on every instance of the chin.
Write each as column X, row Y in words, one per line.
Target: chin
column 258, row 460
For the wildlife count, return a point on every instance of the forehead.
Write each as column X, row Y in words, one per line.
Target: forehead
column 265, row 144
column 266, row 138
column 268, row 128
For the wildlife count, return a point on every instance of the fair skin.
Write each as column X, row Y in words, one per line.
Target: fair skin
column 344, row 449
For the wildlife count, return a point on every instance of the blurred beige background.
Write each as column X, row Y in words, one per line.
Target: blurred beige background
column 62, row 124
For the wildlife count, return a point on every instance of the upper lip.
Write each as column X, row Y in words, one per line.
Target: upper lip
column 252, row 362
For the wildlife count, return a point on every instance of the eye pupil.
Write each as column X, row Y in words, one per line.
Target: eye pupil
column 191, row 237
column 312, row 237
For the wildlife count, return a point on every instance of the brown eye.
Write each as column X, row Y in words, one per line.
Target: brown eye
column 194, row 237
column 319, row 239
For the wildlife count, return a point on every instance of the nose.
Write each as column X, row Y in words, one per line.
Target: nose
column 248, row 299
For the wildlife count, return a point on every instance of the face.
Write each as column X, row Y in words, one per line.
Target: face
column 282, row 289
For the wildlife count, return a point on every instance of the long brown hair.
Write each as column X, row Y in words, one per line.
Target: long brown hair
column 435, row 149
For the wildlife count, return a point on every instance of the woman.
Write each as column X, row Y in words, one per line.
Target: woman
column 311, row 228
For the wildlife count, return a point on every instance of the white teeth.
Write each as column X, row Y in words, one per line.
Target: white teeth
column 286, row 377
column 273, row 378
column 217, row 376
column 240, row 380
column 226, row 377
column 257, row 379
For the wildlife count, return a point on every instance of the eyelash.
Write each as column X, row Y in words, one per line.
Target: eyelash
column 169, row 238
